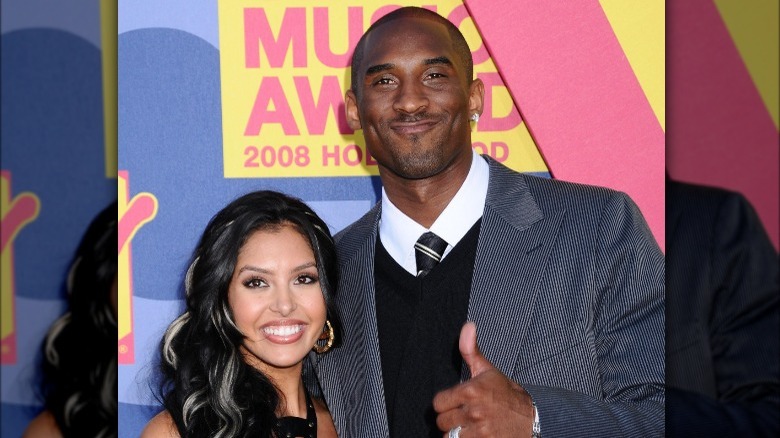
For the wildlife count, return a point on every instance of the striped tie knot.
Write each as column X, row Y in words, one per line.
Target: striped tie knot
column 428, row 251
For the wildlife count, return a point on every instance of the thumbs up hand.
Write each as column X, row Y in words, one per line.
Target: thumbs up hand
column 487, row 405
column 469, row 350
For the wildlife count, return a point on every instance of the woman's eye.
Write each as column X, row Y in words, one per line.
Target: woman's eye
column 254, row 283
column 306, row 279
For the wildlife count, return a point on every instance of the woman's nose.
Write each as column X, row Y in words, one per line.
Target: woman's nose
column 284, row 302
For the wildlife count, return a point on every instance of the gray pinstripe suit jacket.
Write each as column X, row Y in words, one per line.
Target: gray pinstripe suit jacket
column 567, row 296
column 723, row 351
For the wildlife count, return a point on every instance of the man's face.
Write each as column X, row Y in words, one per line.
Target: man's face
column 413, row 99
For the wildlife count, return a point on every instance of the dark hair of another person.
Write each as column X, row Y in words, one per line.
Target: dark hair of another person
column 80, row 350
column 207, row 387
column 459, row 42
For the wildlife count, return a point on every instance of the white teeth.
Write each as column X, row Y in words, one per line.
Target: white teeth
column 284, row 330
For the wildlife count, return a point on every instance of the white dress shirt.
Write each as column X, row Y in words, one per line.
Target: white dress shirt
column 399, row 232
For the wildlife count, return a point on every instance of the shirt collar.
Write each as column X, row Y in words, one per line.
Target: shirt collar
column 399, row 232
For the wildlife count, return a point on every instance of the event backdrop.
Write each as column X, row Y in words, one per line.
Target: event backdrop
column 58, row 172
column 216, row 99
column 724, row 99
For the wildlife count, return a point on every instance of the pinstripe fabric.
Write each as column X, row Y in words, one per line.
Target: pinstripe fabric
column 567, row 295
column 351, row 376
column 723, row 316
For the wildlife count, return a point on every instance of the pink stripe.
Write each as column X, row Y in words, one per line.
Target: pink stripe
column 8, row 348
column 128, row 341
column 8, row 343
column 23, row 208
column 718, row 128
column 140, row 209
column 127, row 357
column 578, row 95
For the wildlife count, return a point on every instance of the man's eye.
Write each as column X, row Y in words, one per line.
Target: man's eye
column 253, row 283
column 383, row 81
column 436, row 77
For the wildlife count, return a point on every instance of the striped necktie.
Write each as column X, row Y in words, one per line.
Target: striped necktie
column 428, row 251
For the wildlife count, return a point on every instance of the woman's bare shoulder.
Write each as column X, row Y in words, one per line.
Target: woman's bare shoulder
column 44, row 425
column 161, row 426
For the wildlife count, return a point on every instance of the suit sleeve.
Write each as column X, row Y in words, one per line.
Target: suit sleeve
column 628, row 326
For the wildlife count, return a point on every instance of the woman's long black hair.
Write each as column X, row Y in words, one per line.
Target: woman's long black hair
column 80, row 350
column 207, row 387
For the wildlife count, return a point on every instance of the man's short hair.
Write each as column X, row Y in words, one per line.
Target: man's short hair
column 458, row 41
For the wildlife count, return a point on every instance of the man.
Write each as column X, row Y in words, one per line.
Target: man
column 564, row 282
column 723, row 316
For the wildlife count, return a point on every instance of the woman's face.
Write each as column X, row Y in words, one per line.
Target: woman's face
column 276, row 298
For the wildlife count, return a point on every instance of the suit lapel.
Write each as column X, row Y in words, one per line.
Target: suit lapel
column 353, row 372
column 515, row 241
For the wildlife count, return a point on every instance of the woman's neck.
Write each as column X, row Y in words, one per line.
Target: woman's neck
column 292, row 392
column 289, row 383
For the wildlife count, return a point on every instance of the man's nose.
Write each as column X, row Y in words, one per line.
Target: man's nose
column 411, row 98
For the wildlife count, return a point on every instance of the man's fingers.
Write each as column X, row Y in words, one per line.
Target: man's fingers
column 449, row 419
column 470, row 351
column 447, row 399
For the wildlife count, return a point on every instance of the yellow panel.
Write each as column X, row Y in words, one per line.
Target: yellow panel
column 753, row 25
column 108, row 38
column 639, row 27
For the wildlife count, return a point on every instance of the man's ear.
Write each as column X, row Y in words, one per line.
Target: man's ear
column 350, row 104
column 476, row 96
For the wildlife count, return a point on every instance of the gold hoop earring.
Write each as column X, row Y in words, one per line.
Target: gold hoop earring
column 327, row 333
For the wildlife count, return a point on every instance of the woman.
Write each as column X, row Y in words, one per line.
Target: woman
column 258, row 301
column 79, row 351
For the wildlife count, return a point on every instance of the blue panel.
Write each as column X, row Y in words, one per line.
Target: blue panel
column 15, row 418
column 170, row 142
column 198, row 17
column 133, row 418
column 52, row 137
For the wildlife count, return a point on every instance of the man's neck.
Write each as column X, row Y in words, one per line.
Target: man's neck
column 423, row 200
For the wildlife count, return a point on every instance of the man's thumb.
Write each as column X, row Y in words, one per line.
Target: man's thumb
column 470, row 351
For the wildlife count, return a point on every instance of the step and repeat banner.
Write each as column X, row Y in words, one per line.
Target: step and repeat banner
column 57, row 171
column 219, row 98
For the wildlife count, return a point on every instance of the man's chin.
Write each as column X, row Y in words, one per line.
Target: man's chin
column 418, row 168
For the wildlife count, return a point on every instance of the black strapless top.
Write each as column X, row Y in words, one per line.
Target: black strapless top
column 295, row 427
